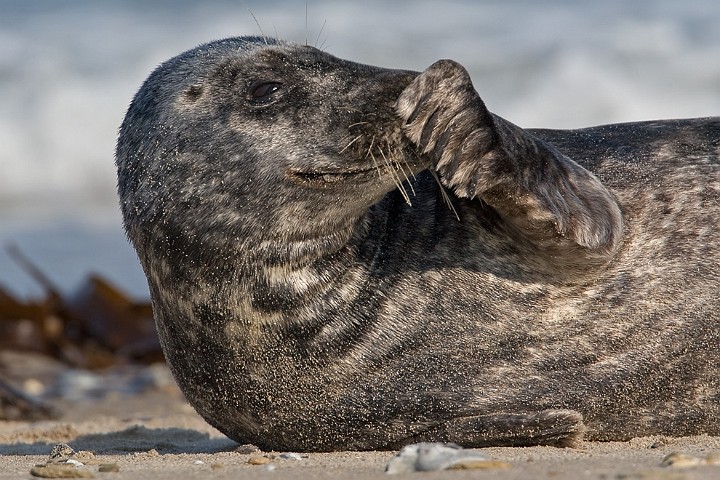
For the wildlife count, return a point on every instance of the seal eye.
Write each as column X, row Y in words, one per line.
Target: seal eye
column 263, row 92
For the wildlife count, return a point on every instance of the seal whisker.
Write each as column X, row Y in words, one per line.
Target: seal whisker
column 404, row 163
column 351, row 142
column 399, row 166
column 408, row 182
column 264, row 37
column 377, row 166
column 389, row 168
column 443, row 193
column 393, row 176
column 393, row 168
column 375, row 162
column 320, row 33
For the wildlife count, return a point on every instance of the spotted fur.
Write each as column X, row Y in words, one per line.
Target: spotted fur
column 347, row 257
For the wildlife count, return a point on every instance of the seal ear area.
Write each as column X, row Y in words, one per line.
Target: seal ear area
column 193, row 93
column 191, row 97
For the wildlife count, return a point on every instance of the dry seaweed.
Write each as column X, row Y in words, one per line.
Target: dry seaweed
column 95, row 327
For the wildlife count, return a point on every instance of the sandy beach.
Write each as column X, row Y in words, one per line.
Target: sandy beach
column 153, row 433
column 69, row 72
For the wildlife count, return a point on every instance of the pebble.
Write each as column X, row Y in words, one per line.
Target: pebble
column 33, row 387
column 57, row 470
column 247, row 448
column 653, row 474
column 85, row 456
column 258, row 460
column 683, row 460
column 109, row 468
column 61, row 451
column 431, row 457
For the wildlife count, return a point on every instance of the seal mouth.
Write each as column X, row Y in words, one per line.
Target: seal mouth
column 324, row 178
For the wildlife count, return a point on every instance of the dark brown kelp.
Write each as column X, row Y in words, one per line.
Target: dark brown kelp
column 94, row 327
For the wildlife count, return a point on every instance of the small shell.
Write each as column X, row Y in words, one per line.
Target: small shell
column 290, row 456
column 430, row 457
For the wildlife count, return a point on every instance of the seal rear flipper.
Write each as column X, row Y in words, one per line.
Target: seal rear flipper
column 556, row 428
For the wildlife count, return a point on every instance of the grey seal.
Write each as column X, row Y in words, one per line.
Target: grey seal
column 347, row 257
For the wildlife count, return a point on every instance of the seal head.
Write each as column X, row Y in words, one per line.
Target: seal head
column 220, row 124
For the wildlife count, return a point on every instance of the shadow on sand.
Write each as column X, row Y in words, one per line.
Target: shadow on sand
column 136, row 438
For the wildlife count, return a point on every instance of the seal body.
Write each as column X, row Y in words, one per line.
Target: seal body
column 347, row 257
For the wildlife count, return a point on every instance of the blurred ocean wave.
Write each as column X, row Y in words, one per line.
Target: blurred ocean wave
column 68, row 69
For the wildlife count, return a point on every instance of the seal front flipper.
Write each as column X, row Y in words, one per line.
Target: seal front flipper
column 556, row 428
column 559, row 206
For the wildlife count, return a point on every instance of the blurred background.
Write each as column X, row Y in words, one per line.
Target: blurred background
column 69, row 68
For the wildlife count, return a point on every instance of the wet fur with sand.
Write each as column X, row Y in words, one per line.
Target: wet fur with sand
column 313, row 289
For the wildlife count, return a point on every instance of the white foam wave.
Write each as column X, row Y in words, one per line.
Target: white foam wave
column 67, row 73
column 69, row 68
